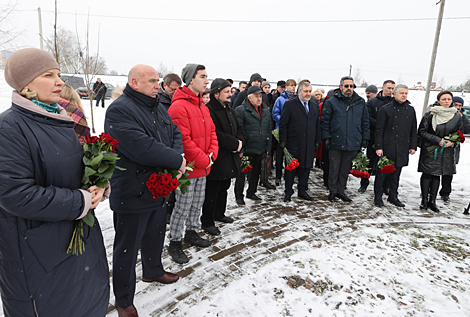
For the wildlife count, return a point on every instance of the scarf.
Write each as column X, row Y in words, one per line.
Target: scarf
column 441, row 115
column 290, row 95
column 53, row 107
column 81, row 126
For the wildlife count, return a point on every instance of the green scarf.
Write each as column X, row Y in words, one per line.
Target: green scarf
column 53, row 107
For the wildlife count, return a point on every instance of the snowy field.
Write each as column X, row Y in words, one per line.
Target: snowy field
column 421, row 269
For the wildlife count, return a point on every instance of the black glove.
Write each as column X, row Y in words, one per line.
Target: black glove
column 365, row 143
column 282, row 144
column 317, row 146
column 326, row 144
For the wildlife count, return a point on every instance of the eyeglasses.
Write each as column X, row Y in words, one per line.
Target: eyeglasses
column 172, row 89
column 317, row 94
column 348, row 86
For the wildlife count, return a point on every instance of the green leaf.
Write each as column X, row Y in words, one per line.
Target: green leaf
column 103, row 167
column 95, row 149
column 86, row 161
column 120, row 168
column 110, row 158
column 85, row 179
column 89, row 219
column 88, row 171
column 102, row 183
column 108, row 173
column 96, row 161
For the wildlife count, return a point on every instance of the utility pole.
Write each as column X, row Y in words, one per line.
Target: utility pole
column 40, row 29
column 350, row 69
column 433, row 57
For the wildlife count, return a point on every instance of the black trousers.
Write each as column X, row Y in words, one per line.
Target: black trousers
column 340, row 164
column 255, row 161
column 144, row 231
column 215, row 202
column 302, row 174
column 325, row 164
column 446, row 183
column 279, row 161
column 393, row 180
column 98, row 98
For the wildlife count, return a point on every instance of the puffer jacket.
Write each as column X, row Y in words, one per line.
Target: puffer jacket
column 197, row 128
column 258, row 131
column 434, row 162
column 40, row 172
column 277, row 108
column 147, row 139
column 345, row 122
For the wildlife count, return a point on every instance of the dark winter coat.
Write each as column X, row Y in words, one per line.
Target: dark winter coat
column 396, row 131
column 257, row 128
column 40, row 172
column 147, row 139
column 444, row 164
column 373, row 107
column 229, row 131
column 195, row 123
column 99, row 89
column 241, row 96
column 300, row 131
column 345, row 122
column 233, row 98
column 164, row 98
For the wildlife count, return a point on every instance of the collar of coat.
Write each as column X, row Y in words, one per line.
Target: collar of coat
column 187, row 95
column 338, row 94
column 404, row 103
column 140, row 98
column 27, row 104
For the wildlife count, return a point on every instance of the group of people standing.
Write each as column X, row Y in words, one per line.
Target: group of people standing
column 169, row 126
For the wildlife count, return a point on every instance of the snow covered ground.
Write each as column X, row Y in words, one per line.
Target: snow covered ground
column 400, row 262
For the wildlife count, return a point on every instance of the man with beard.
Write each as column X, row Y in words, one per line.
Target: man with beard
column 345, row 128
column 371, row 92
column 373, row 106
column 170, row 83
column 299, row 131
column 396, row 136
column 230, row 135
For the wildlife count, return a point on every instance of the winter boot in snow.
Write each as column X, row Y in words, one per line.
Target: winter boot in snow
column 433, row 194
column 175, row 250
column 192, row 238
column 425, row 183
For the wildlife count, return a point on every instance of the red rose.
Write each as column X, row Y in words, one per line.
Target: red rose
column 388, row 169
column 174, row 183
column 461, row 136
column 166, row 178
column 91, row 139
column 153, row 177
column 165, row 193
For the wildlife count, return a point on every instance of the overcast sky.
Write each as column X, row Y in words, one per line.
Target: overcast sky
column 296, row 39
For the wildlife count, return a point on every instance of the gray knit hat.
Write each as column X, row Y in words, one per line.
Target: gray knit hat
column 188, row 73
column 265, row 83
column 24, row 65
column 372, row 88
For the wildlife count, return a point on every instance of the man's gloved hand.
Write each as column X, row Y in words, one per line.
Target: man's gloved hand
column 282, row 144
column 326, row 144
column 317, row 146
column 365, row 143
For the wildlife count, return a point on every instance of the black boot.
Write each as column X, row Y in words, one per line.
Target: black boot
column 192, row 238
column 425, row 183
column 433, row 194
column 175, row 250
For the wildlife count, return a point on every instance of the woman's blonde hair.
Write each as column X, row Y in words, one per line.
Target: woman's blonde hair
column 318, row 90
column 29, row 94
column 71, row 95
column 117, row 92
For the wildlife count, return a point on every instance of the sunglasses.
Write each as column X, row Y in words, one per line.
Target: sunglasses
column 348, row 86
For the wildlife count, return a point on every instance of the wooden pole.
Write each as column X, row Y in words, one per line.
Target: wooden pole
column 41, row 42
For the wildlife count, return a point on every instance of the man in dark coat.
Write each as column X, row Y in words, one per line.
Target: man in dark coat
column 373, row 106
column 345, row 129
column 255, row 117
column 230, row 135
column 281, row 86
column 299, row 131
column 170, row 83
column 241, row 87
column 396, row 137
column 255, row 80
column 147, row 139
column 99, row 89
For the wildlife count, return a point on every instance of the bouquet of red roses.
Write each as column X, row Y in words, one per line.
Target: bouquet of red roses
column 99, row 157
column 385, row 165
column 292, row 162
column 246, row 166
column 456, row 137
column 360, row 163
column 162, row 182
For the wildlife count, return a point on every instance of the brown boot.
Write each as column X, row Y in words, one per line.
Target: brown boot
column 127, row 312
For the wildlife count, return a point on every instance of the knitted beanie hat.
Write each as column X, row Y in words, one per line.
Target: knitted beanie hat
column 26, row 64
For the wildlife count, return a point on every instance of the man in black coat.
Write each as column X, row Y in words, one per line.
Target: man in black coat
column 170, row 83
column 281, row 86
column 241, row 87
column 255, row 80
column 230, row 135
column 396, row 137
column 299, row 132
column 373, row 106
column 99, row 89
column 147, row 139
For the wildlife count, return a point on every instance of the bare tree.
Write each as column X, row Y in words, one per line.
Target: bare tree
column 8, row 29
column 163, row 70
column 64, row 46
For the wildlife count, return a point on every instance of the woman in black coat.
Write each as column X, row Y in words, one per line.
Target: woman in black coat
column 40, row 173
column 442, row 120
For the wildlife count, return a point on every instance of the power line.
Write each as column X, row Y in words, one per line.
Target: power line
column 249, row 21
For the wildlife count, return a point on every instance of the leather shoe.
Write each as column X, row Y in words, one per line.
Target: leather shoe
column 167, row 278
column 212, row 230
column 332, row 197
column 225, row 219
column 127, row 312
column 445, row 198
column 254, row 197
column 379, row 203
column 278, row 182
column 396, row 202
column 287, row 198
column 305, row 196
column 343, row 197
column 362, row 189
column 268, row 185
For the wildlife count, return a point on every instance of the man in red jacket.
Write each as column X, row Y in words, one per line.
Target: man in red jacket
column 200, row 145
